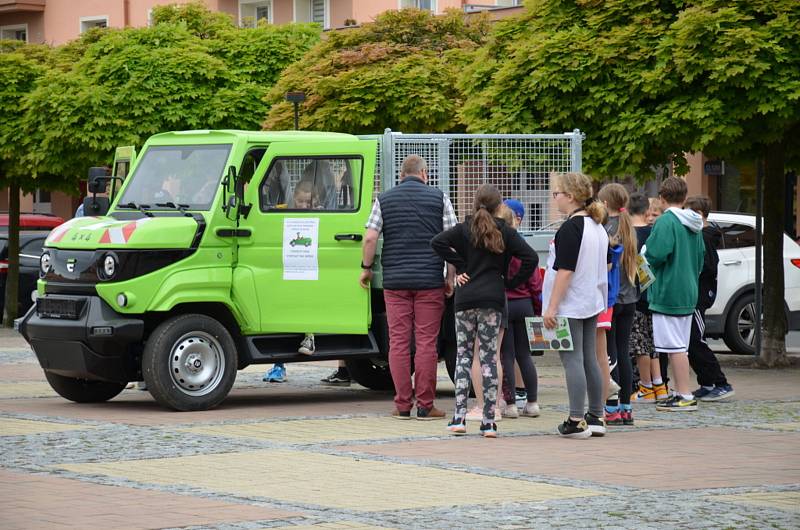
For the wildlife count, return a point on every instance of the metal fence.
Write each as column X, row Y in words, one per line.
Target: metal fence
column 519, row 165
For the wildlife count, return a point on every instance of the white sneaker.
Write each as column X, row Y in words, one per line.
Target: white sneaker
column 476, row 414
column 307, row 346
column 531, row 410
column 510, row 411
column 130, row 386
column 613, row 388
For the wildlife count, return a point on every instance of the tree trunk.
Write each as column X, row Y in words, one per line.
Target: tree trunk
column 773, row 347
column 12, row 275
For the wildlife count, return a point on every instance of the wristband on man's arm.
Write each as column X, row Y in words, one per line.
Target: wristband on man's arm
column 365, row 267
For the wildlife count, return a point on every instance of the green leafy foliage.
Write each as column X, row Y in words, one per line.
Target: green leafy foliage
column 117, row 87
column 400, row 72
column 646, row 80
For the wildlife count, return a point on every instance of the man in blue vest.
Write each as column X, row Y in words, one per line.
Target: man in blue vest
column 409, row 215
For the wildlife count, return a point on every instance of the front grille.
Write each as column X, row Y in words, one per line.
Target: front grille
column 63, row 308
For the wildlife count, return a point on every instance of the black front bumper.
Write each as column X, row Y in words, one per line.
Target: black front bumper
column 99, row 345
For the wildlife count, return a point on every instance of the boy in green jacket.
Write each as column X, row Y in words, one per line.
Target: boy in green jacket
column 675, row 251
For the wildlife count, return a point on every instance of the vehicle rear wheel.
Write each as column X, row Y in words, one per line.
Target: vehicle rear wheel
column 740, row 326
column 190, row 363
column 83, row 390
column 372, row 373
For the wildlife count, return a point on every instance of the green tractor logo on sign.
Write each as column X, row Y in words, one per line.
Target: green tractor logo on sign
column 300, row 240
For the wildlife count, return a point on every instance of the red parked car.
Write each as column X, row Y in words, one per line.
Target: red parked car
column 31, row 221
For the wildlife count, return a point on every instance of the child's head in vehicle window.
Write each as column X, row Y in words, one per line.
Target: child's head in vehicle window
column 304, row 195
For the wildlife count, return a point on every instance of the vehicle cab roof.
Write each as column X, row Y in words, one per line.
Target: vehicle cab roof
column 212, row 136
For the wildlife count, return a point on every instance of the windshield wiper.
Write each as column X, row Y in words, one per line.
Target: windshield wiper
column 133, row 206
column 180, row 207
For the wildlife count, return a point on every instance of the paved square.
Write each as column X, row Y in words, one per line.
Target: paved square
column 331, row 481
column 17, row 427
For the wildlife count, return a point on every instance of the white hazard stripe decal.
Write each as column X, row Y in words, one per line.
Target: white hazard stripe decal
column 60, row 231
column 120, row 235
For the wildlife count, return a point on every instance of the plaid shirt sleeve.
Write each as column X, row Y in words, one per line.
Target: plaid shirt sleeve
column 375, row 220
column 449, row 219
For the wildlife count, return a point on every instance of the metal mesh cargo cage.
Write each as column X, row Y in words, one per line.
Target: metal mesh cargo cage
column 519, row 165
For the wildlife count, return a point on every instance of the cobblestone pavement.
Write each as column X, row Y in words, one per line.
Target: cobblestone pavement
column 302, row 455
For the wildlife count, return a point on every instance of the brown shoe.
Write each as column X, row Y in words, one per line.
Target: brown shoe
column 429, row 414
column 401, row 414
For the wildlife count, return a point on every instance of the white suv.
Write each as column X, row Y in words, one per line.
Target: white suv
column 732, row 316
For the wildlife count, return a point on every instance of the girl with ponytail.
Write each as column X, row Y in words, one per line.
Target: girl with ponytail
column 481, row 249
column 576, row 287
column 621, row 233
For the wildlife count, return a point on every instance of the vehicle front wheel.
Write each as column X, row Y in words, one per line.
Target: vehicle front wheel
column 190, row 363
column 83, row 390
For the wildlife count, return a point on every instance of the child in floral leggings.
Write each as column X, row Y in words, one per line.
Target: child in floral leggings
column 480, row 249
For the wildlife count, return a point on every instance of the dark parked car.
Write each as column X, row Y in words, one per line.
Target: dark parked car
column 30, row 250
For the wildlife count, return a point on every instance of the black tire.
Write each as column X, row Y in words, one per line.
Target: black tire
column 83, row 390
column 740, row 325
column 190, row 363
column 372, row 373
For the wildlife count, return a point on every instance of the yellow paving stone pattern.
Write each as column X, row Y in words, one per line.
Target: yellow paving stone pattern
column 785, row 500
column 15, row 427
column 792, row 426
column 340, row 525
column 26, row 390
column 346, row 483
column 351, row 429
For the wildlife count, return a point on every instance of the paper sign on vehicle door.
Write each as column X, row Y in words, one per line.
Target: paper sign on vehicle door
column 300, row 249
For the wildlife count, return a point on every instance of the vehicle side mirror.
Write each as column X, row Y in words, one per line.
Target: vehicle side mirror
column 98, row 179
column 95, row 206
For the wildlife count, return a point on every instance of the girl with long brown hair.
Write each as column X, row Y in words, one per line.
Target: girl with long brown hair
column 480, row 249
column 619, row 226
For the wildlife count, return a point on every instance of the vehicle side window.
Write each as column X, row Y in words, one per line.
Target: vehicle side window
column 738, row 235
column 318, row 183
column 32, row 247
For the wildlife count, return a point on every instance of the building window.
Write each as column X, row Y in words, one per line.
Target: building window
column 317, row 11
column 42, row 202
column 88, row 23
column 508, row 3
column 252, row 11
column 18, row 32
column 430, row 5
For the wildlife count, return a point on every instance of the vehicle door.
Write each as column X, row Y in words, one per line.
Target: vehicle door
column 301, row 260
column 736, row 262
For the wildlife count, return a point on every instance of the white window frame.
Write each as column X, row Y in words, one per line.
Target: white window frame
column 326, row 23
column 96, row 18
column 247, row 2
column 150, row 18
column 434, row 6
column 16, row 27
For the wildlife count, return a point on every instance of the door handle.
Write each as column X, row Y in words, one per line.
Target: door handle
column 348, row 237
column 732, row 262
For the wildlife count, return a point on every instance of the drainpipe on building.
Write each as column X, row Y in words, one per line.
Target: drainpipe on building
column 126, row 13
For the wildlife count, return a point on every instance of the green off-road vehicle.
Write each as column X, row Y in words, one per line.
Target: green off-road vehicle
column 201, row 264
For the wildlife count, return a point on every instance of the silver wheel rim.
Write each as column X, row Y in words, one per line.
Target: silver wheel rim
column 746, row 323
column 196, row 363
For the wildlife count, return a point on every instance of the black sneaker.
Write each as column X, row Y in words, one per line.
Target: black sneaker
column 574, row 429
column 489, row 430
column 678, row 404
column 597, row 426
column 457, row 426
column 340, row 377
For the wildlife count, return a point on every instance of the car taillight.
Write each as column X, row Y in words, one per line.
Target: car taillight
column 3, row 266
column 796, row 262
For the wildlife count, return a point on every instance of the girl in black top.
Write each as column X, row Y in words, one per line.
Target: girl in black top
column 480, row 249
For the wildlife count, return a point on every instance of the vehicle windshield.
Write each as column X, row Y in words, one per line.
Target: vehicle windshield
column 187, row 175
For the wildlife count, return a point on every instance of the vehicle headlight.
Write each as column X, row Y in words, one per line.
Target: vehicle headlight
column 109, row 266
column 44, row 263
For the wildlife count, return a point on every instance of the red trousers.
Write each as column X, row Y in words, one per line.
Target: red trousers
column 419, row 312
